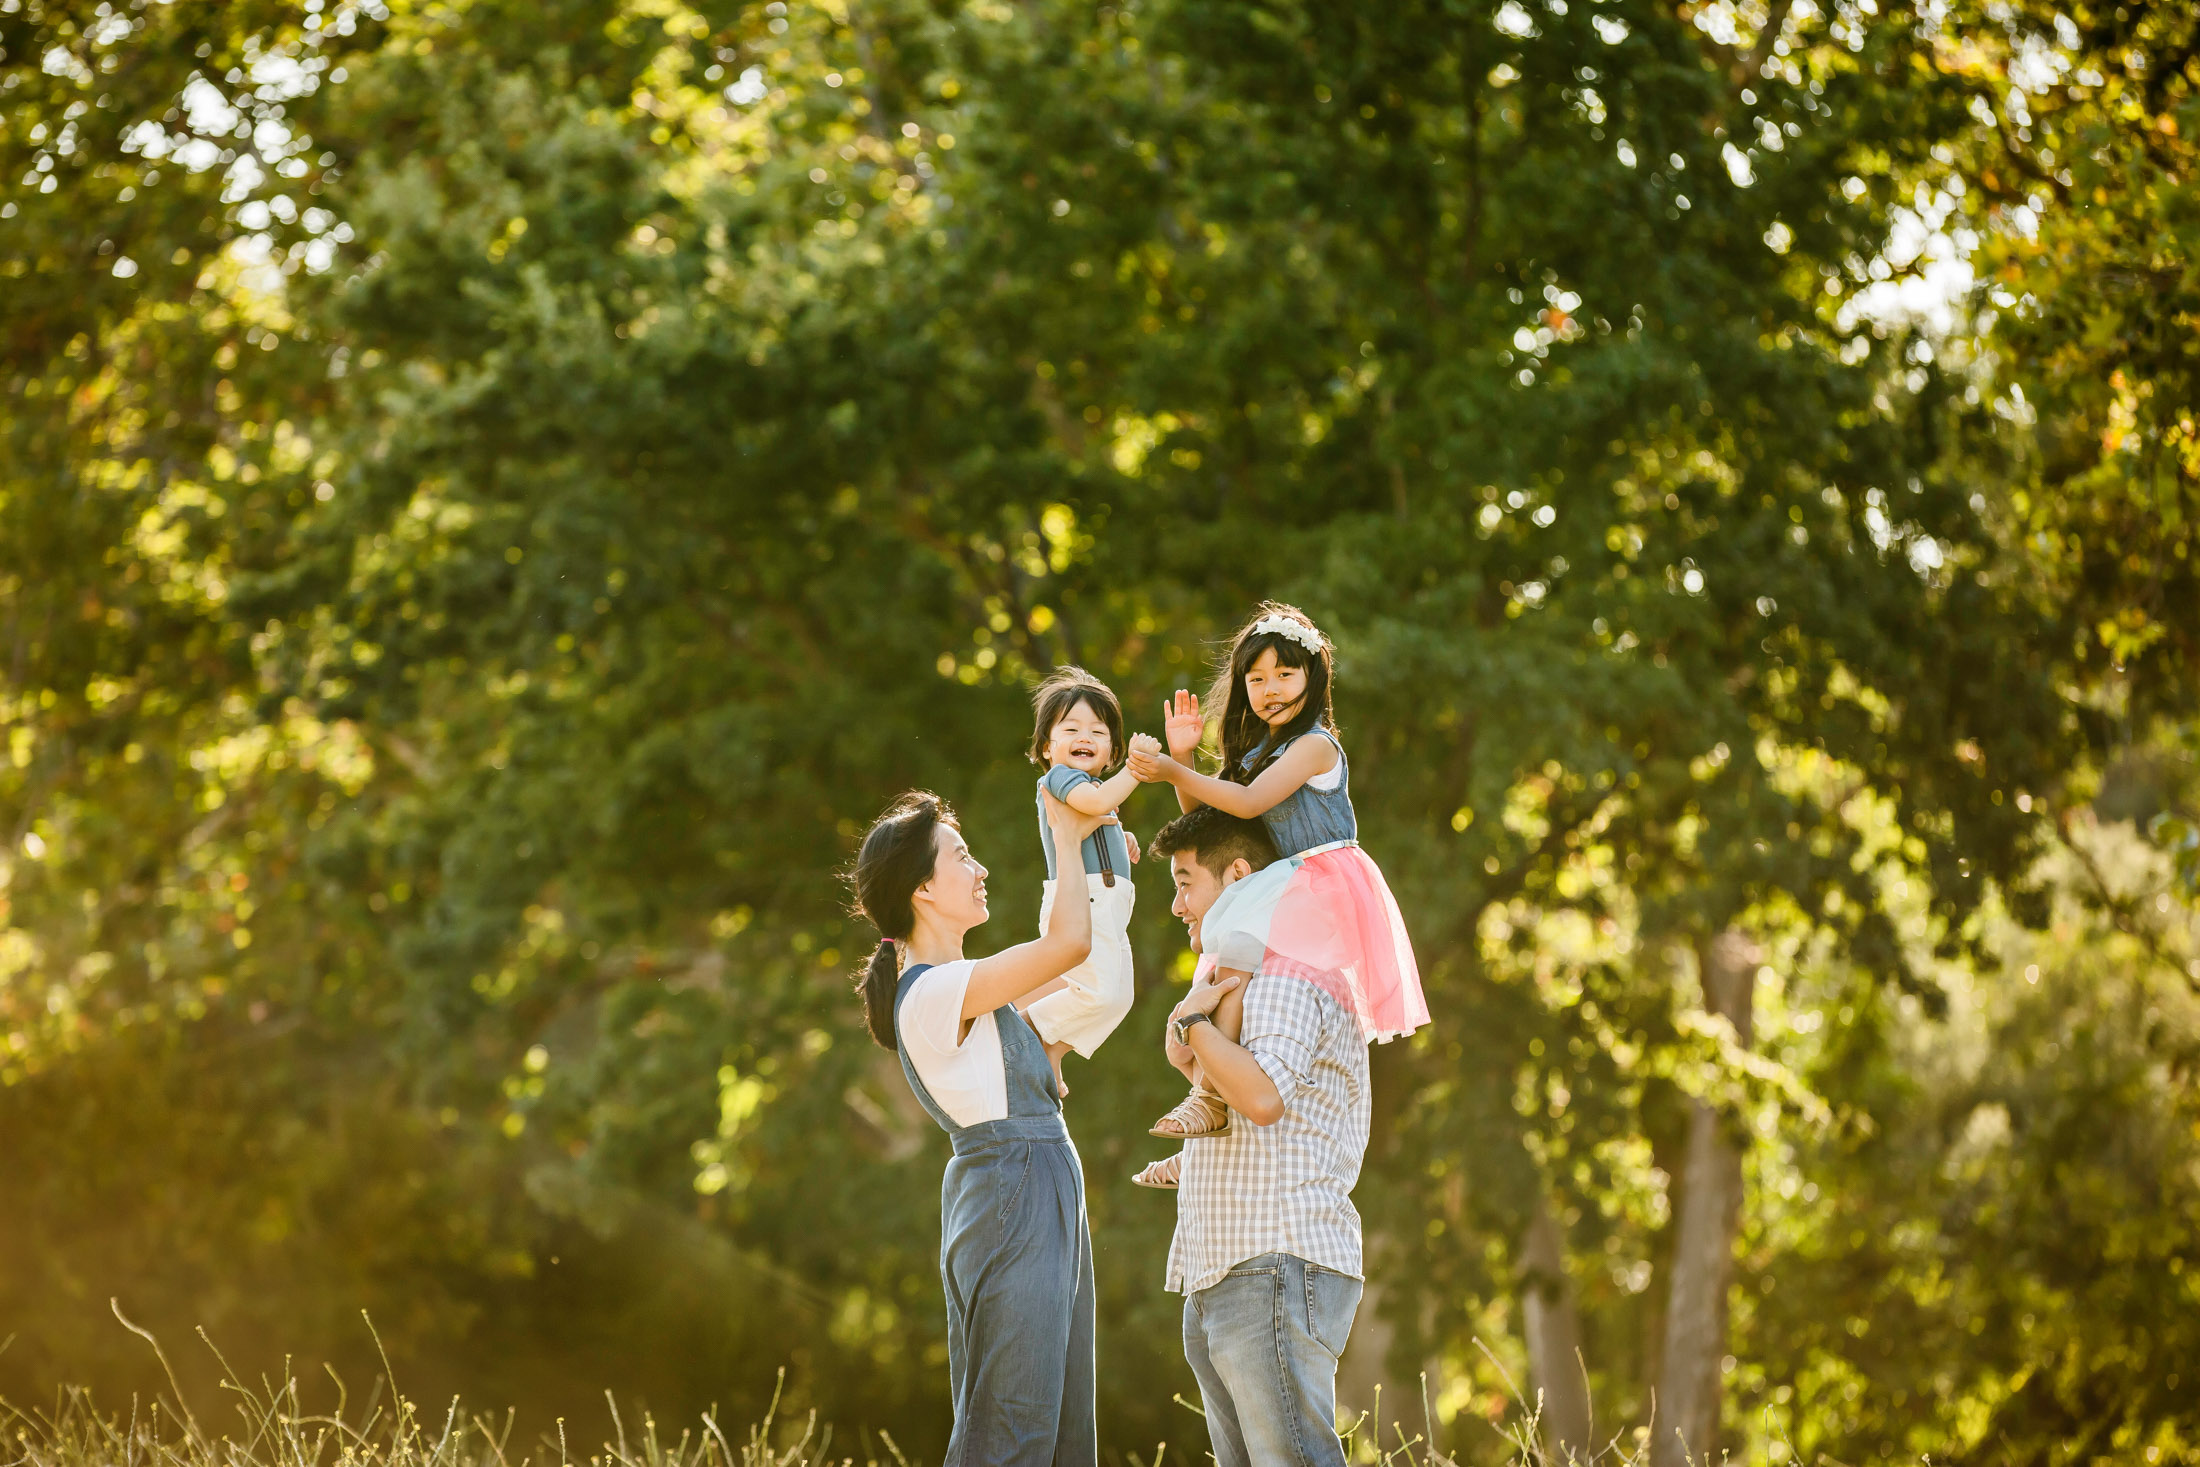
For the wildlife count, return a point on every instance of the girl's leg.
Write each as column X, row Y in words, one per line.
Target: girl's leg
column 1230, row 1013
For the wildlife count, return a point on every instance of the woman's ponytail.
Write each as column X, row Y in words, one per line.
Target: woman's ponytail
column 880, row 976
column 898, row 855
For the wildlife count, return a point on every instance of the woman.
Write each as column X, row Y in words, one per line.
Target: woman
column 1015, row 1251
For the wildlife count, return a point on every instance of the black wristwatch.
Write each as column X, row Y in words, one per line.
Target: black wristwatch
column 1182, row 1028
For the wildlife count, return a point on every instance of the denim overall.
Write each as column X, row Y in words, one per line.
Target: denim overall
column 1307, row 817
column 1104, row 851
column 1016, row 1265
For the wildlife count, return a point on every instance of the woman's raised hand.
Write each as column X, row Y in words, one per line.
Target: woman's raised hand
column 1184, row 724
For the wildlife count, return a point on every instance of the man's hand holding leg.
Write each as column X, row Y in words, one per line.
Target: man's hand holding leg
column 1230, row 1070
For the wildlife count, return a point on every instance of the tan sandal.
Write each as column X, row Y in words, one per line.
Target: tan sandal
column 1201, row 1113
column 1161, row 1175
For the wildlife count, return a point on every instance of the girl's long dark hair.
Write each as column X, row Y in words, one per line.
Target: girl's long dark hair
column 1242, row 728
column 898, row 856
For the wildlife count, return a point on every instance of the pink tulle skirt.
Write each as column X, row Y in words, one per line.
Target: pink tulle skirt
column 1326, row 917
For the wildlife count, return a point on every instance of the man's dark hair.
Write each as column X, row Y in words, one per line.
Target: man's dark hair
column 1215, row 839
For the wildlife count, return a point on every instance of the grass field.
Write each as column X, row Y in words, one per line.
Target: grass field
column 268, row 1426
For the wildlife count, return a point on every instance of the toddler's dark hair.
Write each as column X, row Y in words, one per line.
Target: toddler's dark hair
column 1052, row 700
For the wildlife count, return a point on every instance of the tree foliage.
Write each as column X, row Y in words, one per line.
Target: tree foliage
column 498, row 495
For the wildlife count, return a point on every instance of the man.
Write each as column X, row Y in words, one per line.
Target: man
column 1267, row 1246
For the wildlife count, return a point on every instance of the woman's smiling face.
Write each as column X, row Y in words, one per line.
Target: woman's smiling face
column 1275, row 691
column 1080, row 739
column 956, row 892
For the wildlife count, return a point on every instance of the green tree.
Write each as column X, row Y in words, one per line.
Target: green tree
column 577, row 461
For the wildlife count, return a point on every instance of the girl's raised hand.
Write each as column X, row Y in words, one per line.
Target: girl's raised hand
column 1182, row 721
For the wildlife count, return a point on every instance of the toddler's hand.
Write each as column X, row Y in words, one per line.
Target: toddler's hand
column 1132, row 841
column 1147, row 761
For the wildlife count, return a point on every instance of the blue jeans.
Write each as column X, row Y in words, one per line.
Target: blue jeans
column 1264, row 1344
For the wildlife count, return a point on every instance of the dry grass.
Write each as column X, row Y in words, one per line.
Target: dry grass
column 271, row 1428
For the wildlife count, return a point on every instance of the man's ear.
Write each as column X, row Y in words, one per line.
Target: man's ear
column 1239, row 870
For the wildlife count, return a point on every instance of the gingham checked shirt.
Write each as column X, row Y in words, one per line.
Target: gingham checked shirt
column 1285, row 1188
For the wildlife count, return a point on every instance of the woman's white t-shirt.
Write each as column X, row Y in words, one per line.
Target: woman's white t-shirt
column 967, row 1079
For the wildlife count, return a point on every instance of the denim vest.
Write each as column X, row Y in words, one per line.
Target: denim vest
column 1308, row 817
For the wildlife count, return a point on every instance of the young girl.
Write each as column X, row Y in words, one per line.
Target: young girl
column 1077, row 734
column 1324, row 912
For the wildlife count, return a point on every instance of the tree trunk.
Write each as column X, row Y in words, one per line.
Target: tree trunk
column 1555, row 1367
column 1686, row 1425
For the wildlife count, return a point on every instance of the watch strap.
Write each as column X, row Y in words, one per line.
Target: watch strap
column 1185, row 1025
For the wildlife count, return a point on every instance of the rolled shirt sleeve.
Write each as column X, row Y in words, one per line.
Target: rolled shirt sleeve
column 1282, row 1030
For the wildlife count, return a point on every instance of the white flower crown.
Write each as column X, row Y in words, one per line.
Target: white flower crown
column 1287, row 626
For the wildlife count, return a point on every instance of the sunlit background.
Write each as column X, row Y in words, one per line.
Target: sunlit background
column 496, row 495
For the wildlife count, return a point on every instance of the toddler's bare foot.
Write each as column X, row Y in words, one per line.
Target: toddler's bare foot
column 1054, row 1058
